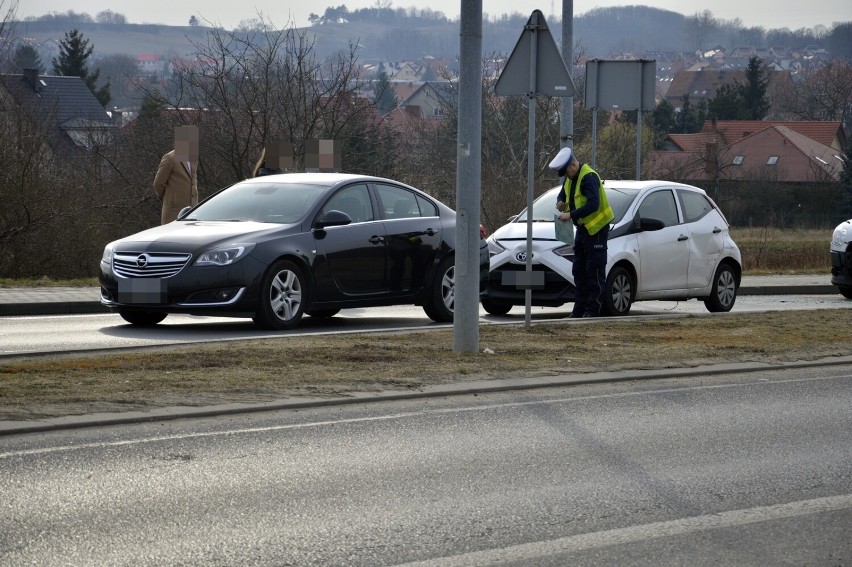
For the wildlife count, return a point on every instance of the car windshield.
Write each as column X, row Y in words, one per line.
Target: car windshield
column 273, row 202
column 545, row 206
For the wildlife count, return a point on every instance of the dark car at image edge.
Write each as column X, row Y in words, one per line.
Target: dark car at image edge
column 277, row 247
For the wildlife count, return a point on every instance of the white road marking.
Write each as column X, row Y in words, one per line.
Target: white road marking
column 530, row 552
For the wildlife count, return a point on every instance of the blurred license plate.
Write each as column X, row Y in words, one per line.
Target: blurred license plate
column 142, row 291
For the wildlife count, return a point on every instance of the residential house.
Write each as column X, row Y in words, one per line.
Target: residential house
column 408, row 72
column 432, row 97
column 784, row 151
column 64, row 108
column 151, row 64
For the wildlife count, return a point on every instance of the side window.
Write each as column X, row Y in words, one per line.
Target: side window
column 427, row 208
column 397, row 202
column 660, row 205
column 695, row 205
column 354, row 201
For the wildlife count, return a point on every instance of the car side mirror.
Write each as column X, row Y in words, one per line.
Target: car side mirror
column 333, row 218
column 650, row 224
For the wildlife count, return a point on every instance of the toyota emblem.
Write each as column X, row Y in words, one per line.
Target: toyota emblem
column 142, row 260
column 521, row 256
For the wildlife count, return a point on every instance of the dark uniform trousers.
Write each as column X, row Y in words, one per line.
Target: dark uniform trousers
column 589, row 271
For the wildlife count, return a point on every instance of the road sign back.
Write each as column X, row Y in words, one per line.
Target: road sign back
column 551, row 76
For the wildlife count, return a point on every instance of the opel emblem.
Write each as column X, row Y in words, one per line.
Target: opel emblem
column 142, row 260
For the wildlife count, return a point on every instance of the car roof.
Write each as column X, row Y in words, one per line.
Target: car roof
column 317, row 177
column 644, row 184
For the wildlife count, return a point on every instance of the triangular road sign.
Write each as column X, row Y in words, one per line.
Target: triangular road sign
column 551, row 76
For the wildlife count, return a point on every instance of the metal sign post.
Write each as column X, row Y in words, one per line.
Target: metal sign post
column 535, row 68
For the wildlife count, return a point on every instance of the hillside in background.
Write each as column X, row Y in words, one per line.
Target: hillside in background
column 599, row 33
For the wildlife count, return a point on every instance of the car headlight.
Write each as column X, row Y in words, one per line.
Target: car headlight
column 566, row 251
column 106, row 258
column 223, row 256
column 494, row 247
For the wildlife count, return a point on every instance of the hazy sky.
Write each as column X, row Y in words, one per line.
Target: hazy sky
column 793, row 14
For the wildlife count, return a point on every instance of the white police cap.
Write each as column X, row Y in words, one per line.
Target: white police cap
column 562, row 159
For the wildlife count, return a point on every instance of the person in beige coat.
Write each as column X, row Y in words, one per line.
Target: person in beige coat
column 176, row 181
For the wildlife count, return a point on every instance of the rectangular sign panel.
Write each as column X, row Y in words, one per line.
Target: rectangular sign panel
column 620, row 85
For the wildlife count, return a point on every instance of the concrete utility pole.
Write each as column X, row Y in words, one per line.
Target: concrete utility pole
column 566, row 122
column 468, row 179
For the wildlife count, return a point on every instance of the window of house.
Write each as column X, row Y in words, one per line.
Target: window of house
column 772, row 160
column 738, row 160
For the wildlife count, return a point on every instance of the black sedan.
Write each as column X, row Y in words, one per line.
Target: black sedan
column 276, row 247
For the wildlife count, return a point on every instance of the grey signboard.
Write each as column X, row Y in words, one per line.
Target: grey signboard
column 620, row 85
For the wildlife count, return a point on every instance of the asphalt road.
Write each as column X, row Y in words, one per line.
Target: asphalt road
column 749, row 469
column 93, row 332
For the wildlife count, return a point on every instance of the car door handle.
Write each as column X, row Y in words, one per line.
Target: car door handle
column 717, row 230
column 431, row 232
column 376, row 239
column 682, row 237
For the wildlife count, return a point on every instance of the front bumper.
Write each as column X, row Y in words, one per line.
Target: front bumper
column 553, row 292
column 841, row 267
column 223, row 291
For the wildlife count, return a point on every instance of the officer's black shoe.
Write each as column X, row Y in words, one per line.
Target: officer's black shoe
column 589, row 315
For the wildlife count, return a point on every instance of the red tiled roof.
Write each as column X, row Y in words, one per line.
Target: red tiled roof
column 776, row 151
column 828, row 133
column 404, row 89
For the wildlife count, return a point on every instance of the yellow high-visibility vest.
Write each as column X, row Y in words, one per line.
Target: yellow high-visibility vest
column 598, row 219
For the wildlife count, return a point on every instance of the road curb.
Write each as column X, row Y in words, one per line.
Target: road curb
column 461, row 388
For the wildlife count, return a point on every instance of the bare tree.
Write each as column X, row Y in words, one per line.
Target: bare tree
column 823, row 93
column 246, row 89
column 8, row 12
column 699, row 28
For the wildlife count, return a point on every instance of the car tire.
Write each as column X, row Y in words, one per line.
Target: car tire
column 323, row 313
column 142, row 318
column 440, row 305
column 495, row 307
column 619, row 292
column 283, row 295
column 723, row 293
column 846, row 292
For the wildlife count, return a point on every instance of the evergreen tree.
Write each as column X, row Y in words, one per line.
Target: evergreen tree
column 755, row 101
column 26, row 57
column 690, row 119
column 728, row 103
column 663, row 122
column 384, row 97
column 734, row 101
column 74, row 53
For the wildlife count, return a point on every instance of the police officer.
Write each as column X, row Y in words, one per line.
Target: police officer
column 584, row 201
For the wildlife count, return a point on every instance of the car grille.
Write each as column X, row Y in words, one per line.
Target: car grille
column 148, row 264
